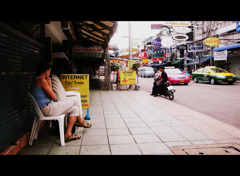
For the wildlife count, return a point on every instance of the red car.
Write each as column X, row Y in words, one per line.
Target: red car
column 175, row 76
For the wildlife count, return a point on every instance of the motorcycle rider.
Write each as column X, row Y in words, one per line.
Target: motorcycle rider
column 164, row 78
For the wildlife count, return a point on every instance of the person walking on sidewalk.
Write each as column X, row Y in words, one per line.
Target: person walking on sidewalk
column 42, row 91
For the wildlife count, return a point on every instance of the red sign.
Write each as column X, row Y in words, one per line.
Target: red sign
column 142, row 54
column 157, row 58
column 156, row 26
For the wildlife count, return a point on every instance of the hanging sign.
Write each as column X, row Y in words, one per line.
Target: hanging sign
column 183, row 29
column 220, row 55
column 195, row 47
column 212, row 41
column 157, row 42
column 237, row 26
column 164, row 31
column 180, row 37
column 142, row 54
column 167, row 42
column 79, row 83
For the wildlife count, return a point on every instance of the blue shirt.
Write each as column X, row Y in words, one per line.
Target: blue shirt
column 40, row 95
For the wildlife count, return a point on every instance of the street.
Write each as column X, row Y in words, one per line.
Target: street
column 217, row 101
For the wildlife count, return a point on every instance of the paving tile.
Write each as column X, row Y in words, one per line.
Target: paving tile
column 164, row 129
column 64, row 150
column 173, row 136
column 144, row 130
column 94, row 131
column 134, row 119
column 121, row 139
column 177, row 143
column 34, row 150
column 146, row 138
column 125, row 149
column 95, row 150
column 183, row 128
column 136, row 124
column 95, row 140
column 155, row 149
column 118, row 131
column 194, row 135
column 116, row 125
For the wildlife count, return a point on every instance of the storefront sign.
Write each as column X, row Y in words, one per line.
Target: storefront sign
column 182, row 30
column 157, row 42
column 164, row 31
column 156, row 26
column 237, row 26
column 180, row 37
column 182, row 47
column 79, row 83
column 142, row 54
column 157, row 58
column 92, row 49
column 167, row 42
column 130, row 63
column 144, row 61
column 195, row 47
column 128, row 78
column 220, row 55
column 212, row 41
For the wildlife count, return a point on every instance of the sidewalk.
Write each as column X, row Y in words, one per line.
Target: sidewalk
column 135, row 123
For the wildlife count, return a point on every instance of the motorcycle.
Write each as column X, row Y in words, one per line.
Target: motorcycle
column 167, row 89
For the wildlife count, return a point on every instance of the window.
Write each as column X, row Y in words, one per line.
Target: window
column 200, row 70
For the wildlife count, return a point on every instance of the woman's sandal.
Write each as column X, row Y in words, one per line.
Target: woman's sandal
column 84, row 124
column 72, row 137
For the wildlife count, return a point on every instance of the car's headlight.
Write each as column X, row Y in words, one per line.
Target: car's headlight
column 221, row 76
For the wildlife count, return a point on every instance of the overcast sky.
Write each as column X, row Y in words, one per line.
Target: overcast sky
column 140, row 29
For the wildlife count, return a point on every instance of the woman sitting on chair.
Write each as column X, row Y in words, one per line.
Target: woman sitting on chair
column 42, row 91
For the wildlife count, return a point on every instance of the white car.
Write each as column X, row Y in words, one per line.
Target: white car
column 146, row 72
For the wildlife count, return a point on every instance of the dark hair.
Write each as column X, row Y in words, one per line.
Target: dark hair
column 42, row 67
column 161, row 67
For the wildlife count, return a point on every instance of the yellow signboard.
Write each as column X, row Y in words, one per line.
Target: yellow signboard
column 212, row 41
column 128, row 78
column 79, row 83
column 130, row 63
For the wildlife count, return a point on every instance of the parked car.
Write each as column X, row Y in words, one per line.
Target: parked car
column 213, row 75
column 146, row 72
column 175, row 76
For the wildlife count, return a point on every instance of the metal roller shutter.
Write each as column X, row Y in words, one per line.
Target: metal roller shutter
column 19, row 56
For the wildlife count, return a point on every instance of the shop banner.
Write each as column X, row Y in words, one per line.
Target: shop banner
column 128, row 78
column 237, row 26
column 220, row 55
column 92, row 49
column 195, row 47
column 79, row 83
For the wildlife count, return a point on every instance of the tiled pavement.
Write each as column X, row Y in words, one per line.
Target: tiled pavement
column 134, row 123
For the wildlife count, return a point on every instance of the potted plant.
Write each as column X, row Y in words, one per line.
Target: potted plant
column 136, row 65
column 115, row 66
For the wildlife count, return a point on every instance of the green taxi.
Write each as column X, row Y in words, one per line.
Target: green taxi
column 213, row 75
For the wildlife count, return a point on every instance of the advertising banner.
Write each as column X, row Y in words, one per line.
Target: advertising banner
column 79, row 83
column 128, row 78
column 220, row 55
column 195, row 47
column 237, row 26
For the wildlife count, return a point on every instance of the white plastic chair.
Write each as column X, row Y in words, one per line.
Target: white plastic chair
column 40, row 117
column 60, row 92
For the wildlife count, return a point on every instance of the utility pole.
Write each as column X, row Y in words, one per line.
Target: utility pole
column 130, row 41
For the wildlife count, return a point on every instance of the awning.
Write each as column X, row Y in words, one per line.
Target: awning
column 227, row 47
column 203, row 59
column 176, row 61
